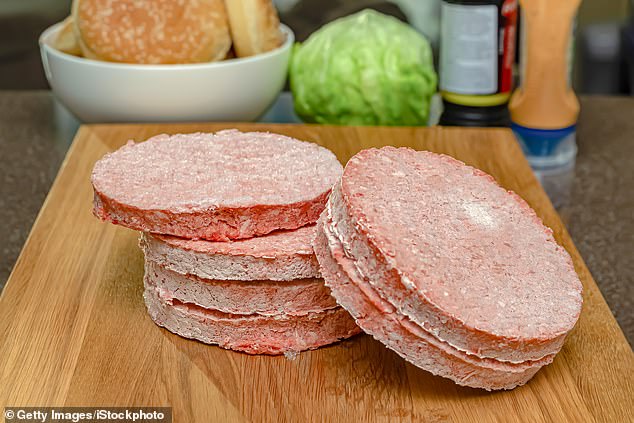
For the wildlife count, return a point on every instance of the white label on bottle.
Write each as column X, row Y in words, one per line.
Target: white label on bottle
column 468, row 49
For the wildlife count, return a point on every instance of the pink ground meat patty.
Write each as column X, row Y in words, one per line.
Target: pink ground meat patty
column 298, row 297
column 280, row 255
column 441, row 264
column 227, row 185
column 253, row 334
column 460, row 256
column 381, row 320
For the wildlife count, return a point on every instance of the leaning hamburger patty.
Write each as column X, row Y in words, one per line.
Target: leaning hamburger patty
column 460, row 260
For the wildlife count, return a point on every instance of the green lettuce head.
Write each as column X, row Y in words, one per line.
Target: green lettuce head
column 364, row 69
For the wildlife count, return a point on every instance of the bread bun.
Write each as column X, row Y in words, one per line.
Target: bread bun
column 152, row 31
column 255, row 26
column 66, row 41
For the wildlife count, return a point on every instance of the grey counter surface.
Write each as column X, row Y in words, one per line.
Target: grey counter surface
column 600, row 216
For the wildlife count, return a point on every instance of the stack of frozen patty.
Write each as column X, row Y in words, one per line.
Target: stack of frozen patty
column 445, row 267
column 227, row 223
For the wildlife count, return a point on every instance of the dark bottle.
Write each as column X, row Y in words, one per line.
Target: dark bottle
column 477, row 53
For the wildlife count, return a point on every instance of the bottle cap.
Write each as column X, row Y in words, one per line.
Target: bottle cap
column 459, row 115
column 547, row 148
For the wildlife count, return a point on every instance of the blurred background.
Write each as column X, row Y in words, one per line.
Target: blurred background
column 604, row 61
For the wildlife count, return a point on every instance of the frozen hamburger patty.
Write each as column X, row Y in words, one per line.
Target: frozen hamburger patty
column 297, row 297
column 227, row 185
column 253, row 334
column 461, row 260
column 280, row 255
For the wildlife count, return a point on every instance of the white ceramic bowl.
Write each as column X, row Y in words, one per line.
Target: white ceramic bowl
column 229, row 90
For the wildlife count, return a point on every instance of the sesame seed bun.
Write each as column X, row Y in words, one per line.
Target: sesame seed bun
column 255, row 26
column 152, row 31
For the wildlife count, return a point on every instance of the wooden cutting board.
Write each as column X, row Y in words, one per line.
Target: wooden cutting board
column 74, row 330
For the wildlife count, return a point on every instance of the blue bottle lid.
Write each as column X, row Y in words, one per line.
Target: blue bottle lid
column 547, row 148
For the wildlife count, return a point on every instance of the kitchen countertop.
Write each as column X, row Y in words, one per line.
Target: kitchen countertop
column 35, row 134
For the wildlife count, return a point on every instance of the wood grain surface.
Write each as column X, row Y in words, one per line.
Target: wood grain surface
column 74, row 330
